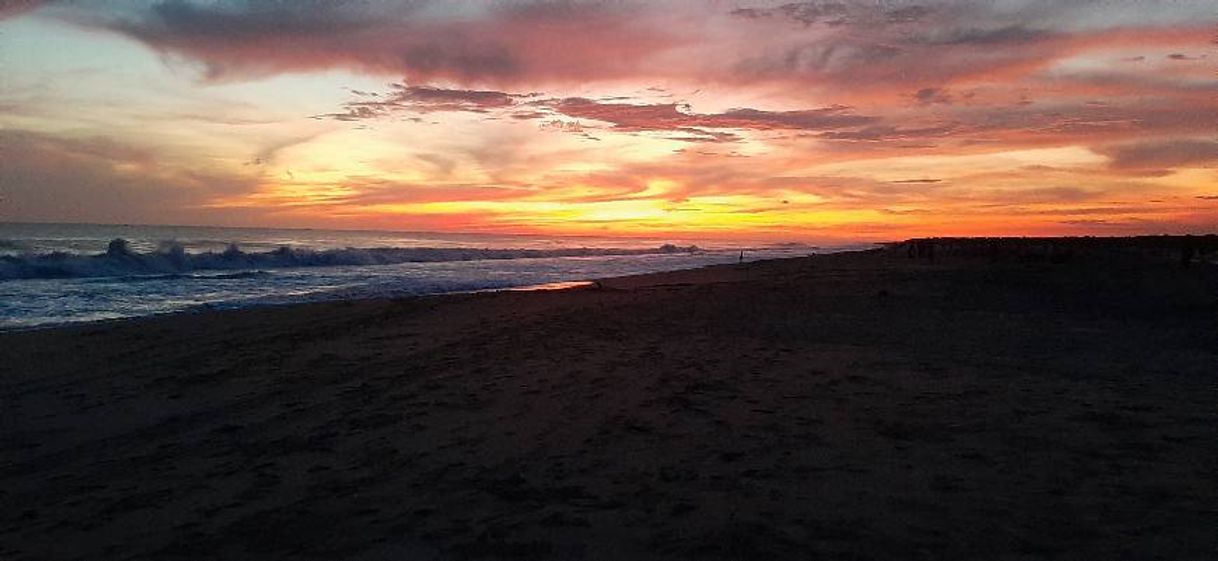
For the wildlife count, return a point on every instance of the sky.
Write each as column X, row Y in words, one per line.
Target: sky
column 802, row 121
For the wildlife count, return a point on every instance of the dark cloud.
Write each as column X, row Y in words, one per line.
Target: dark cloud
column 424, row 99
column 886, row 45
column 861, row 48
column 877, row 133
column 931, row 96
column 837, row 13
column 250, row 39
column 1108, row 223
column 806, row 119
column 1162, row 154
column 679, row 117
column 987, row 37
column 808, row 13
column 355, row 112
column 440, row 98
column 907, row 14
column 299, row 18
column 948, row 46
column 500, row 42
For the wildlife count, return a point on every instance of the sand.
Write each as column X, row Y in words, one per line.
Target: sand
column 854, row 406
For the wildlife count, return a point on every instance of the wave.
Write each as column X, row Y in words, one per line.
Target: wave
column 793, row 245
column 11, row 246
column 192, row 276
column 172, row 259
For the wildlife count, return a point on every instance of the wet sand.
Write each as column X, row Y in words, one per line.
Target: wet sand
column 852, row 406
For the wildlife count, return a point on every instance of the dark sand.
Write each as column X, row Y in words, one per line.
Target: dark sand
column 857, row 406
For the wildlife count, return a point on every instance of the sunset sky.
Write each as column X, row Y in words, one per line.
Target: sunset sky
column 778, row 121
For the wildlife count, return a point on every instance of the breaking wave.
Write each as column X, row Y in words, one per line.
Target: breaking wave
column 171, row 259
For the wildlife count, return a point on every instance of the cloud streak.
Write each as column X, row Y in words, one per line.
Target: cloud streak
column 1163, row 154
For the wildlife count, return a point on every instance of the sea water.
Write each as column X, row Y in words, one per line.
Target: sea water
column 63, row 273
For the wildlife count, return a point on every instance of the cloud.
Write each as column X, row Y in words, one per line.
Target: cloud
column 366, row 191
column 837, row 13
column 947, row 47
column 1160, row 154
column 270, row 153
column 14, row 8
column 423, row 99
column 878, row 133
column 424, row 41
column 1010, row 35
column 623, row 117
column 981, row 125
column 931, row 96
column 1126, row 223
column 680, row 118
column 98, row 179
column 834, row 46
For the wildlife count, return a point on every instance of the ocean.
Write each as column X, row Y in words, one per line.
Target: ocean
column 66, row 273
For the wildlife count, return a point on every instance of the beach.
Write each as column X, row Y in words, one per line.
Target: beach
column 863, row 405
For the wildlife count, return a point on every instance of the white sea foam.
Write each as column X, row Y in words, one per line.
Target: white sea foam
column 120, row 260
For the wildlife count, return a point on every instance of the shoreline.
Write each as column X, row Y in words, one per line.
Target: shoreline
column 199, row 309
column 207, row 308
column 850, row 405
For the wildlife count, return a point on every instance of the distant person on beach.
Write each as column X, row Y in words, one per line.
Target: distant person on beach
column 742, row 257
